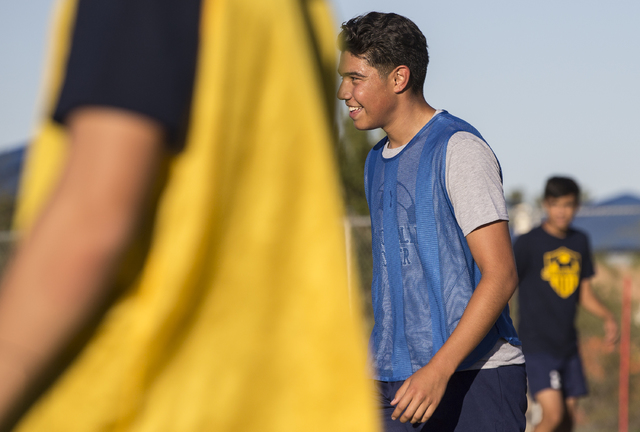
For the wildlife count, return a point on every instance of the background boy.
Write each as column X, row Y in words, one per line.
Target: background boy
column 555, row 266
column 443, row 346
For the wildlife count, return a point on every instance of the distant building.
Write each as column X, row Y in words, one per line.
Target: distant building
column 613, row 225
column 10, row 168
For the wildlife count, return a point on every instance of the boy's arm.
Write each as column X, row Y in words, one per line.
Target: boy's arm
column 59, row 273
column 590, row 302
column 491, row 248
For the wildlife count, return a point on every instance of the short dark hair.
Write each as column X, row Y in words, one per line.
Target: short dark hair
column 561, row 186
column 386, row 41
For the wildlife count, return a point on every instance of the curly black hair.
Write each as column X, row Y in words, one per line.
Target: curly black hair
column 386, row 41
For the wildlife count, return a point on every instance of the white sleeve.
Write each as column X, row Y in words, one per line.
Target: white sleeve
column 474, row 184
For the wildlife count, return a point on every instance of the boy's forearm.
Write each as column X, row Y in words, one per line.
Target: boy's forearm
column 491, row 248
column 485, row 306
column 590, row 302
column 52, row 286
column 59, row 273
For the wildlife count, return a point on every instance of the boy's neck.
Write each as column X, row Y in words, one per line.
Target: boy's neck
column 411, row 116
column 554, row 231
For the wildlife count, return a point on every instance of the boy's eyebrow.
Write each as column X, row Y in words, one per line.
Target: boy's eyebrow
column 351, row 74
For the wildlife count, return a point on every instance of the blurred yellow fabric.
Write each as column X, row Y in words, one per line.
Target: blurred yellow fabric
column 236, row 316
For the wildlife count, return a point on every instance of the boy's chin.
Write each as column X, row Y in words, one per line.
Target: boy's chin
column 362, row 128
column 562, row 226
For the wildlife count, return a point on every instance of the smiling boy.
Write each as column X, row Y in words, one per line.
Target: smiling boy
column 555, row 266
column 444, row 350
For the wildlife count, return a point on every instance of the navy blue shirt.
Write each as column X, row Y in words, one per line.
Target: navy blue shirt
column 550, row 270
column 135, row 55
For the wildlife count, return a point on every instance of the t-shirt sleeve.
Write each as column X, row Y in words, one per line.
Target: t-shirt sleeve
column 474, row 182
column 587, row 269
column 138, row 55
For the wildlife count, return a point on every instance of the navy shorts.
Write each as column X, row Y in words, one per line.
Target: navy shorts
column 476, row 400
column 547, row 371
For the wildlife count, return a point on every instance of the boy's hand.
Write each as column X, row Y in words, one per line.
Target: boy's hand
column 420, row 394
column 611, row 332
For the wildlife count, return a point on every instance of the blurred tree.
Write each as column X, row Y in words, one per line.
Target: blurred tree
column 352, row 149
column 515, row 197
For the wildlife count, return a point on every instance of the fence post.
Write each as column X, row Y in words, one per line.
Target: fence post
column 625, row 351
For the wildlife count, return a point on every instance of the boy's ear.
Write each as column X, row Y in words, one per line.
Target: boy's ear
column 400, row 76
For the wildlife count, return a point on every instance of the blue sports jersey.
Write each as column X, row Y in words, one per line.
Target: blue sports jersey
column 423, row 271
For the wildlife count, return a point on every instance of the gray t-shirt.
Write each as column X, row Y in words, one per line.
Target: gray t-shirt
column 474, row 186
column 473, row 182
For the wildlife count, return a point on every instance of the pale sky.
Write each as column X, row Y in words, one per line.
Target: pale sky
column 552, row 86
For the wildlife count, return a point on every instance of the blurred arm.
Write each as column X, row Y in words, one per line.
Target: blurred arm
column 590, row 302
column 59, row 272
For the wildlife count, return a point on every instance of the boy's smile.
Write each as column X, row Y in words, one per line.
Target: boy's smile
column 354, row 111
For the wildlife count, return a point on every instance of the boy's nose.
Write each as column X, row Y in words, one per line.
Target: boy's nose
column 343, row 93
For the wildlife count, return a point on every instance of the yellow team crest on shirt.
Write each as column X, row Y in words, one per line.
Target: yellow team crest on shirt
column 562, row 270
